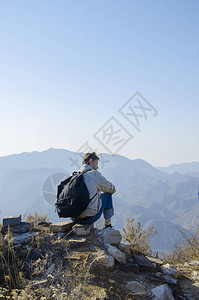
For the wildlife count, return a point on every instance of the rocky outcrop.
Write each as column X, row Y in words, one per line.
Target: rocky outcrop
column 93, row 257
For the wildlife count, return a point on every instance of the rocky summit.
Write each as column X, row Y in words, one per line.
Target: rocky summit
column 66, row 261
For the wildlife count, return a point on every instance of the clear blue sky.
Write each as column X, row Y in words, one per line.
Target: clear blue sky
column 66, row 68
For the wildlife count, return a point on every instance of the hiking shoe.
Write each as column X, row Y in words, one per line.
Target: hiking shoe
column 106, row 226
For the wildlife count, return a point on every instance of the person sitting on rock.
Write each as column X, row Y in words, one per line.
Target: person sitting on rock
column 96, row 183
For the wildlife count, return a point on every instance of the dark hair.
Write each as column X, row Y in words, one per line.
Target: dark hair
column 89, row 155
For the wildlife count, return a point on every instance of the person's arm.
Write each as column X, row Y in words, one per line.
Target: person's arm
column 104, row 185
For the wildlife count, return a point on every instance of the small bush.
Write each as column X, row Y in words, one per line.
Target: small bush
column 139, row 239
column 35, row 218
column 186, row 249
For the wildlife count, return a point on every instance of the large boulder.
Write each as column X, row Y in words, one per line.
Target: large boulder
column 163, row 292
column 110, row 236
column 116, row 253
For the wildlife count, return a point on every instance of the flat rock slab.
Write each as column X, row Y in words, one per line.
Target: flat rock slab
column 64, row 226
column 136, row 288
column 76, row 243
column 12, row 220
column 145, row 265
column 129, row 267
column 83, row 229
column 21, row 228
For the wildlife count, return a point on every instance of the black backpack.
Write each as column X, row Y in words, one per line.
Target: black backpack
column 72, row 196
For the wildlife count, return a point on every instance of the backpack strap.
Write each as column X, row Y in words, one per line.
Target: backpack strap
column 85, row 173
column 93, row 196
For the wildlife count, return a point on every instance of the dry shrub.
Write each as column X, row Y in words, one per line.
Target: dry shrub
column 186, row 249
column 139, row 239
column 36, row 217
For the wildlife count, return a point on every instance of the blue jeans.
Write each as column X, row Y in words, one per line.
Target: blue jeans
column 106, row 209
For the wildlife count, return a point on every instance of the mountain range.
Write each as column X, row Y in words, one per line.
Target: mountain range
column 156, row 197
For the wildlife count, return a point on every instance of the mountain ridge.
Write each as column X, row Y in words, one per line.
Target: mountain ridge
column 139, row 185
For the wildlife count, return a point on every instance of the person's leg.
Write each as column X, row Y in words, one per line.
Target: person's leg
column 108, row 209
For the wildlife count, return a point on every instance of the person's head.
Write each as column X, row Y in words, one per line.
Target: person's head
column 91, row 159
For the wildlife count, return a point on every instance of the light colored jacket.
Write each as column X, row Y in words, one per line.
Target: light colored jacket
column 95, row 183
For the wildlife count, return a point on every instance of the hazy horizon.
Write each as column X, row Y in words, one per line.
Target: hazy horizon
column 102, row 154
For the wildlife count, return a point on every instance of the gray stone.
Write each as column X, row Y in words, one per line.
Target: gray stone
column 83, row 229
column 106, row 261
column 50, row 269
column 23, row 238
column 110, row 236
column 163, row 292
column 129, row 267
column 76, row 243
column 21, row 228
column 136, row 288
column 12, row 220
column 145, row 265
column 168, row 269
column 64, row 226
column 116, row 253
column 170, row 279
column 124, row 247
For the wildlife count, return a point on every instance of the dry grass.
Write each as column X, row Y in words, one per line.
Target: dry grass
column 9, row 263
column 21, row 266
column 186, row 249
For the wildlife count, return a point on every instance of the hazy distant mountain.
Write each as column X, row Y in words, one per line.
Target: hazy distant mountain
column 52, row 158
column 184, row 168
column 28, row 184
